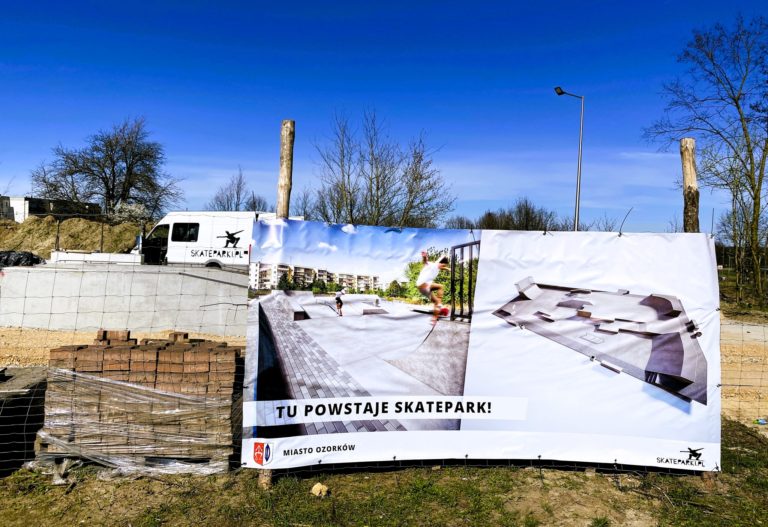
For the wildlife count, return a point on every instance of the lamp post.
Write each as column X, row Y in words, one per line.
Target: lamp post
column 560, row 91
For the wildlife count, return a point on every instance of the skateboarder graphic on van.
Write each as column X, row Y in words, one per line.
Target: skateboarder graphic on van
column 427, row 286
column 231, row 238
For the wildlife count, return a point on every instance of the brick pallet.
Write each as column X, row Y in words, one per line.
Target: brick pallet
column 138, row 404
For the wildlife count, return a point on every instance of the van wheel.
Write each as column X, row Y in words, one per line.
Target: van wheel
column 213, row 265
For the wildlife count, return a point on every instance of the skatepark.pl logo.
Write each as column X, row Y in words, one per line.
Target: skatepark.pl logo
column 230, row 238
column 694, row 458
column 262, row 453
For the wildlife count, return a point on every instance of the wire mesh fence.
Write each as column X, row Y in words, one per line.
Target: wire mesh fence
column 139, row 367
column 744, row 373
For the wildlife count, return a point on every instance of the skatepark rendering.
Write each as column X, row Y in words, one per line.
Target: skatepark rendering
column 649, row 337
column 377, row 348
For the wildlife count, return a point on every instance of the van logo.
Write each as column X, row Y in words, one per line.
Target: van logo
column 693, row 453
column 231, row 238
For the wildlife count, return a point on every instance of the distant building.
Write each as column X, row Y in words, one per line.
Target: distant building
column 326, row 276
column 6, row 212
column 20, row 208
column 347, row 280
column 264, row 276
column 304, row 275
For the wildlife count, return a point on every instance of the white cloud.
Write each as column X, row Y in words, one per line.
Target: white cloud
column 327, row 246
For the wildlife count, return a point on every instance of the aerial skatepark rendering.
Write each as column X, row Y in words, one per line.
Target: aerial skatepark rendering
column 377, row 348
column 649, row 337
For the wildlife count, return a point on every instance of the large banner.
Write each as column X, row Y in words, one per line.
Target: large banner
column 385, row 344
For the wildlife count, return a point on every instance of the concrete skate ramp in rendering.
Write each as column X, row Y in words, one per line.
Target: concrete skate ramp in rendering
column 646, row 336
column 441, row 359
column 305, row 305
column 350, row 309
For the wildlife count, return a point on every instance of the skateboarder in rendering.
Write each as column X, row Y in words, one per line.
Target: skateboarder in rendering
column 427, row 286
column 339, row 302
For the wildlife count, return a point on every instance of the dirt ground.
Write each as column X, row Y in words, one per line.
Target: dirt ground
column 447, row 496
column 38, row 235
column 420, row 496
column 744, row 362
column 743, row 348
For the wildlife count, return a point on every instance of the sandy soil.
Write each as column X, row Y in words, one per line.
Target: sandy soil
column 744, row 362
column 743, row 345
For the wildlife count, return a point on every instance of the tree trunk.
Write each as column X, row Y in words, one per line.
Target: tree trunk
column 287, row 135
column 690, row 185
column 754, row 253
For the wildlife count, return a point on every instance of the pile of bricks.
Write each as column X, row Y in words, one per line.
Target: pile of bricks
column 126, row 402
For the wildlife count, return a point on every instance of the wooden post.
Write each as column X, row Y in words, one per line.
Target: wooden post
column 265, row 479
column 101, row 242
column 287, row 135
column 690, row 185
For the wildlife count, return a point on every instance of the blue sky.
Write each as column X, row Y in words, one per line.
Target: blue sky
column 214, row 80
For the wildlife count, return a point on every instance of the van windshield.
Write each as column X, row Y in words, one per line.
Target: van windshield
column 158, row 235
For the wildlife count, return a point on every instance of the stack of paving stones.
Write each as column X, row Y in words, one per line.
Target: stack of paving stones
column 131, row 403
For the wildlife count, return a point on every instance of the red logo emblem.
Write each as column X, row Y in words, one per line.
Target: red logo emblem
column 262, row 453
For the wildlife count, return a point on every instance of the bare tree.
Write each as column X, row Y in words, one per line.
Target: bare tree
column 674, row 225
column 381, row 167
column 7, row 188
column 258, row 203
column 722, row 103
column 731, row 233
column 117, row 166
column 423, row 198
column 235, row 196
column 232, row 195
column 367, row 178
column 522, row 216
column 459, row 222
column 337, row 199
column 605, row 223
column 304, row 204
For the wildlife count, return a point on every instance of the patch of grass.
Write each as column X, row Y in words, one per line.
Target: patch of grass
column 736, row 497
column 450, row 496
column 25, row 482
column 531, row 521
column 743, row 448
column 744, row 312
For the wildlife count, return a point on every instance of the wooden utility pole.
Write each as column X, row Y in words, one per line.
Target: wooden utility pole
column 690, row 185
column 287, row 135
column 284, row 183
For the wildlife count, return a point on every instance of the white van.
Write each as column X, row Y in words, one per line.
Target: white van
column 210, row 239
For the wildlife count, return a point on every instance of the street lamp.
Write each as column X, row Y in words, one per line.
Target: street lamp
column 560, row 91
